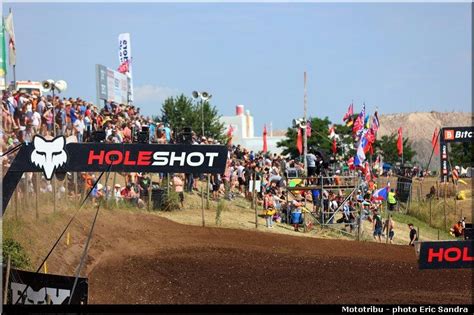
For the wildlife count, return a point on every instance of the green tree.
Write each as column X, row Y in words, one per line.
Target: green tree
column 319, row 138
column 387, row 147
column 461, row 154
column 182, row 112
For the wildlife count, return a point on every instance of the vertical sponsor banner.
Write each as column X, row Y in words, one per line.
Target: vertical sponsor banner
column 447, row 135
column 125, row 55
column 444, row 162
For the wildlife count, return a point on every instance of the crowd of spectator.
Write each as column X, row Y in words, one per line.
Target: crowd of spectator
column 261, row 178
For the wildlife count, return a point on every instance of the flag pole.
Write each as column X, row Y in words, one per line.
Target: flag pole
column 14, row 65
column 305, row 139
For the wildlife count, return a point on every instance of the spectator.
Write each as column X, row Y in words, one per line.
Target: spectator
column 377, row 225
column 457, row 229
column 391, row 200
column 389, row 228
column 178, row 184
column 413, row 235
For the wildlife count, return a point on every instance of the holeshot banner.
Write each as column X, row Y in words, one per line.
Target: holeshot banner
column 45, row 288
column 446, row 255
column 51, row 156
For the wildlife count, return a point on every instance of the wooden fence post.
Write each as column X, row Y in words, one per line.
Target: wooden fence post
column 207, row 191
column 431, row 199
column 444, row 207
column 54, row 194
column 202, row 207
column 16, row 203
column 37, row 190
column 7, row 280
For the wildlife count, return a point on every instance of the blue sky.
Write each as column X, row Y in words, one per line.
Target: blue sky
column 398, row 57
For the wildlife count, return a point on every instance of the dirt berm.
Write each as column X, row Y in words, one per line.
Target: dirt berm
column 142, row 258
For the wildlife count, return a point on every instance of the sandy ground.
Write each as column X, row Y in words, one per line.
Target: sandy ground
column 140, row 257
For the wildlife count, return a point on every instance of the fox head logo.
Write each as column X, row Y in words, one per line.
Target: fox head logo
column 49, row 154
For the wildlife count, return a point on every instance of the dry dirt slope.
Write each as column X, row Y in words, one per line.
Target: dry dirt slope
column 419, row 128
column 139, row 257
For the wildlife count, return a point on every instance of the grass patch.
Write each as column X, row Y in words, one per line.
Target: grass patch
column 19, row 257
column 425, row 229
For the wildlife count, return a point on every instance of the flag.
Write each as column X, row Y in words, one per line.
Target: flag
column 382, row 193
column 3, row 57
column 299, row 142
column 334, row 146
column 367, row 173
column 360, row 155
column 367, row 121
column 350, row 163
column 350, row 122
column 308, row 128
column 11, row 43
column 375, row 122
column 124, row 67
column 265, row 146
column 332, row 132
column 434, row 142
column 230, row 133
column 358, row 124
column 349, row 113
column 400, row 142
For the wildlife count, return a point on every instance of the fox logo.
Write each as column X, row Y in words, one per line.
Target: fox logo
column 49, row 154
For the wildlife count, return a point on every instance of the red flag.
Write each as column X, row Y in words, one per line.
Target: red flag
column 230, row 132
column 368, row 175
column 124, row 67
column 299, row 142
column 400, row 142
column 349, row 113
column 331, row 131
column 265, row 146
column 358, row 124
column 334, row 146
column 434, row 142
column 350, row 163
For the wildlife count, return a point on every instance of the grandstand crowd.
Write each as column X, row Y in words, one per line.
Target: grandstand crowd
column 24, row 116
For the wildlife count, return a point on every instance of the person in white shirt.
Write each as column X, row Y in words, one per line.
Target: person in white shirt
column 79, row 126
column 36, row 122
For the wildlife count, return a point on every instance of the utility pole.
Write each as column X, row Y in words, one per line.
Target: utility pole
column 305, row 139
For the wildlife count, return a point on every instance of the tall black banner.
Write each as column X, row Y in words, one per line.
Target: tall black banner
column 446, row 255
column 50, row 156
column 451, row 134
column 45, row 288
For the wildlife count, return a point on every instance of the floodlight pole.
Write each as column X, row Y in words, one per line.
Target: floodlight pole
column 305, row 129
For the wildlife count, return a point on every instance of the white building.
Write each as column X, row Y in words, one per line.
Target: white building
column 244, row 132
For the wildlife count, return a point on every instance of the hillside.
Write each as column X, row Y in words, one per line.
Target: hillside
column 419, row 128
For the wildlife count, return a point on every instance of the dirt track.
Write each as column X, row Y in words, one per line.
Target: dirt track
column 140, row 258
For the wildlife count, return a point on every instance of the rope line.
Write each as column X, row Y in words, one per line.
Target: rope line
column 15, row 148
column 64, row 231
column 89, row 237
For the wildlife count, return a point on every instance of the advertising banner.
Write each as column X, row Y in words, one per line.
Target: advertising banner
column 50, row 156
column 125, row 55
column 447, row 135
column 446, row 255
column 112, row 86
column 44, row 289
